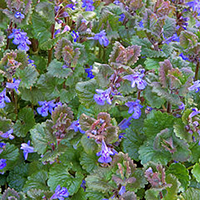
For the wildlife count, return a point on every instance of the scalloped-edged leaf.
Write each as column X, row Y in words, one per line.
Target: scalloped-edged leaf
column 99, row 180
column 152, row 194
column 37, row 180
column 48, row 86
column 33, row 95
column 89, row 145
column 152, row 63
column 5, row 124
column 80, row 195
column 180, row 171
column 10, row 153
column 148, row 153
column 191, row 193
column 59, row 175
column 156, row 122
column 28, row 76
column 89, row 162
column 86, row 91
column 134, row 138
column 196, row 171
column 169, row 27
column 46, row 11
column 38, row 194
column 102, row 72
column 188, row 39
column 92, row 194
column 41, row 136
column 152, row 99
column 24, row 122
column 18, row 176
column 125, row 56
column 195, row 152
column 56, row 69
column 41, row 29
column 165, row 94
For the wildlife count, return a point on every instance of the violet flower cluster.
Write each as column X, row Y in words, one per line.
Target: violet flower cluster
column 60, row 193
column 88, row 5
column 89, row 72
column 14, row 85
column 8, row 134
column 3, row 99
column 20, row 39
column 195, row 86
column 105, row 153
column 137, row 79
column 135, row 108
column 103, row 40
column 19, row 15
column 103, row 96
column 47, row 106
column 76, row 127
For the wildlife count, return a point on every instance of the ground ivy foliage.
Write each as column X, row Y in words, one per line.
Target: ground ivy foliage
column 99, row 100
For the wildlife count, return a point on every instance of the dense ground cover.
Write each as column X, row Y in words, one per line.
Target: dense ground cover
column 99, row 99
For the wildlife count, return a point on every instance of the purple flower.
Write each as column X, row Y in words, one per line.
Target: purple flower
column 8, row 134
column 134, row 106
column 105, row 153
column 3, row 98
column 122, row 190
column 27, row 149
column 122, row 16
column 89, row 72
column 72, row 6
column 136, row 79
column 2, row 146
column 88, row 5
column 103, row 40
column 125, row 123
column 14, row 85
column 195, row 5
column 184, row 57
column 194, row 113
column 19, row 15
column 103, row 96
column 76, row 126
column 46, row 106
column 173, row 38
column 2, row 163
column 75, row 35
column 20, row 39
column 60, row 193
column 141, row 25
column 195, row 86
column 182, row 106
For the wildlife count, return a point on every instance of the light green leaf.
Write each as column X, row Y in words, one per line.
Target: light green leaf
column 196, row 171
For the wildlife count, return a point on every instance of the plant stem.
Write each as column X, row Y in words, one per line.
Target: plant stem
column 51, row 50
column 9, row 30
column 169, row 106
column 196, row 70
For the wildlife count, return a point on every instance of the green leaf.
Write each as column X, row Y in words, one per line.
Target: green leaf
column 36, row 180
column 10, row 153
column 33, row 95
column 89, row 145
column 80, row 195
column 191, row 194
column 17, row 177
column 169, row 27
column 134, row 138
column 88, row 161
column 86, row 91
column 148, row 153
column 102, row 72
column 28, row 76
column 196, row 171
column 46, row 11
column 48, row 86
column 59, row 175
column 152, row 194
column 173, row 190
column 41, row 137
column 152, row 99
column 24, row 122
column 195, row 149
column 99, row 179
column 92, row 194
column 157, row 121
column 41, row 29
column 152, row 63
column 5, row 124
column 180, row 172
column 67, row 95
column 56, row 69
